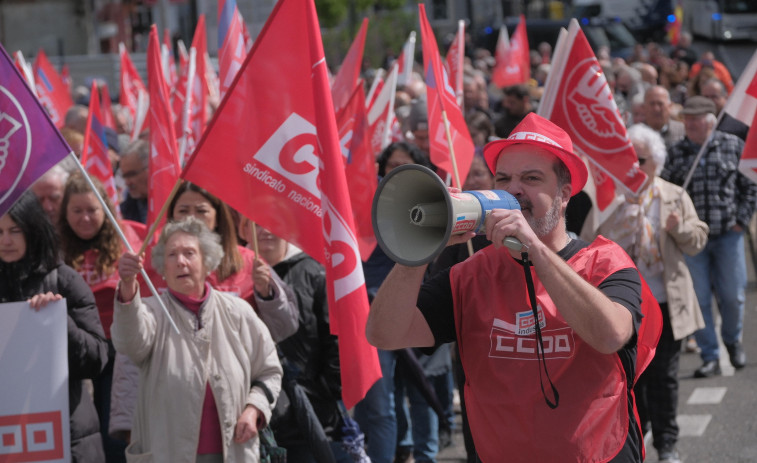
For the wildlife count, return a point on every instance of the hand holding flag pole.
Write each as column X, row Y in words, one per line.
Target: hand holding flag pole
column 123, row 238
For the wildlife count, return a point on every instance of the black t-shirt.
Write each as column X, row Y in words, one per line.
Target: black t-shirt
column 624, row 287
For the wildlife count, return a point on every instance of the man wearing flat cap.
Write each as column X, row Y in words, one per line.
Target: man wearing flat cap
column 547, row 330
column 724, row 199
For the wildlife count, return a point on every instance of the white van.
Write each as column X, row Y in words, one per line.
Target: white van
column 721, row 19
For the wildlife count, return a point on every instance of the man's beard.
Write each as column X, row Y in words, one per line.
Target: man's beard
column 543, row 226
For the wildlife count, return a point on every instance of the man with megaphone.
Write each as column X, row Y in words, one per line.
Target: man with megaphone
column 580, row 358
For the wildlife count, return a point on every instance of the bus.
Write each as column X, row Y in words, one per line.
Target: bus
column 721, row 19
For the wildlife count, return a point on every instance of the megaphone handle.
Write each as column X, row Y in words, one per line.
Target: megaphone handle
column 514, row 244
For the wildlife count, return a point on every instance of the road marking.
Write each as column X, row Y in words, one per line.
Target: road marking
column 693, row 425
column 706, row 395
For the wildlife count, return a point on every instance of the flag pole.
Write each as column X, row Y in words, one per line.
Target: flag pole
column 452, row 158
column 187, row 107
column 123, row 238
column 161, row 213
column 701, row 153
column 255, row 240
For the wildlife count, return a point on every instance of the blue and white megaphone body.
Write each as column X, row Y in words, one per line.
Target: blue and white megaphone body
column 414, row 215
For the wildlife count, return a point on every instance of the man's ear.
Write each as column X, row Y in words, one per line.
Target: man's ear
column 566, row 191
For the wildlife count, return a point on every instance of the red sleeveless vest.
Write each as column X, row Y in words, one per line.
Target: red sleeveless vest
column 509, row 418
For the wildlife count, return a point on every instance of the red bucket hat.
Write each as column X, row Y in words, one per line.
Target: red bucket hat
column 538, row 131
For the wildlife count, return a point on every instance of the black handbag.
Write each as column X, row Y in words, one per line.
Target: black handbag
column 270, row 452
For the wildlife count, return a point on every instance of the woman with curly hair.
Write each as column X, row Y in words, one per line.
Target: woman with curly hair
column 92, row 246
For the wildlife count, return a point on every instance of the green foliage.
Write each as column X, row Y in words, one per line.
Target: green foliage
column 331, row 12
column 388, row 29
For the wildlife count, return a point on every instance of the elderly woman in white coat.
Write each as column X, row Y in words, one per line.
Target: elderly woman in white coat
column 206, row 391
column 657, row 228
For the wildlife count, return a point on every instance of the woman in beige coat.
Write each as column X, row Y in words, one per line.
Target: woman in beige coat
column 656, row 228
column 205, row 391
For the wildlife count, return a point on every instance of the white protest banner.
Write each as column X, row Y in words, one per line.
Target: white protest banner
column 34, row 422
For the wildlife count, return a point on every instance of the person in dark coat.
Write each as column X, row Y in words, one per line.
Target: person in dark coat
column 30, row 269
column 310, row 357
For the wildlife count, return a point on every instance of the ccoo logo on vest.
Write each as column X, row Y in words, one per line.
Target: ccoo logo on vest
column 517, row 341
column 14, row 132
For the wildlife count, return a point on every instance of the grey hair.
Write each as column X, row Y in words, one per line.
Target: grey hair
column 142, row 150
column 210, row 243
column 719, row 83
column 652, row 140
column 711, row 119
column 56, row 173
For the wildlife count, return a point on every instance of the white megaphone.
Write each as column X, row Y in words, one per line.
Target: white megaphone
column 414, row 214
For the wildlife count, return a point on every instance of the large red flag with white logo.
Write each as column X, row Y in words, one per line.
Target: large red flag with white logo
column 455, row 60
column 164, row 167
column 578, row 99
column 442, row 103
column 94, row 156
column 272, row 152
column 349, row 72
column 360, row 168
column 29, row 142
column 513, row 64
column 380, row 116
column 51, row 90
column 133, row 94
column 742, row 105
column 231, row 43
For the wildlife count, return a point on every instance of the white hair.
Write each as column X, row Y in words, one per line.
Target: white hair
column 209, row 242
column 652, row 140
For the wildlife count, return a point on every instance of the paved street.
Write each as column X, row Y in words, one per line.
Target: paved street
column 717, row 416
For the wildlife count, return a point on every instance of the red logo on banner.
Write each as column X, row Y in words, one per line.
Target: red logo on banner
column 599, row 124
column 32, row 437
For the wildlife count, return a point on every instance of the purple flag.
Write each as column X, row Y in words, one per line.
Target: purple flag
column 29, row 142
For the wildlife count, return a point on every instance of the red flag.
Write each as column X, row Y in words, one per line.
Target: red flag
column 164, row 160
column 349, row 72
column 94, row 156
column 674, row 28
column 442, row 101
column 133, row 92
column 26, row 70
column 513, row 64
column 107, row 112
column 455, row 60
column 169, row 64
column 406, row 61
column 283, row 169
column 51, row 90
column 194, row 111
column 29, row 143
column 360, row 168
column 742, row 105
column 381, row 116
column 65, row 75
column 231, row 43
column 577, row 98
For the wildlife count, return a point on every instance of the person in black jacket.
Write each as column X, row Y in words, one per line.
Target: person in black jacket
column 310, row 357
column 30, row 269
